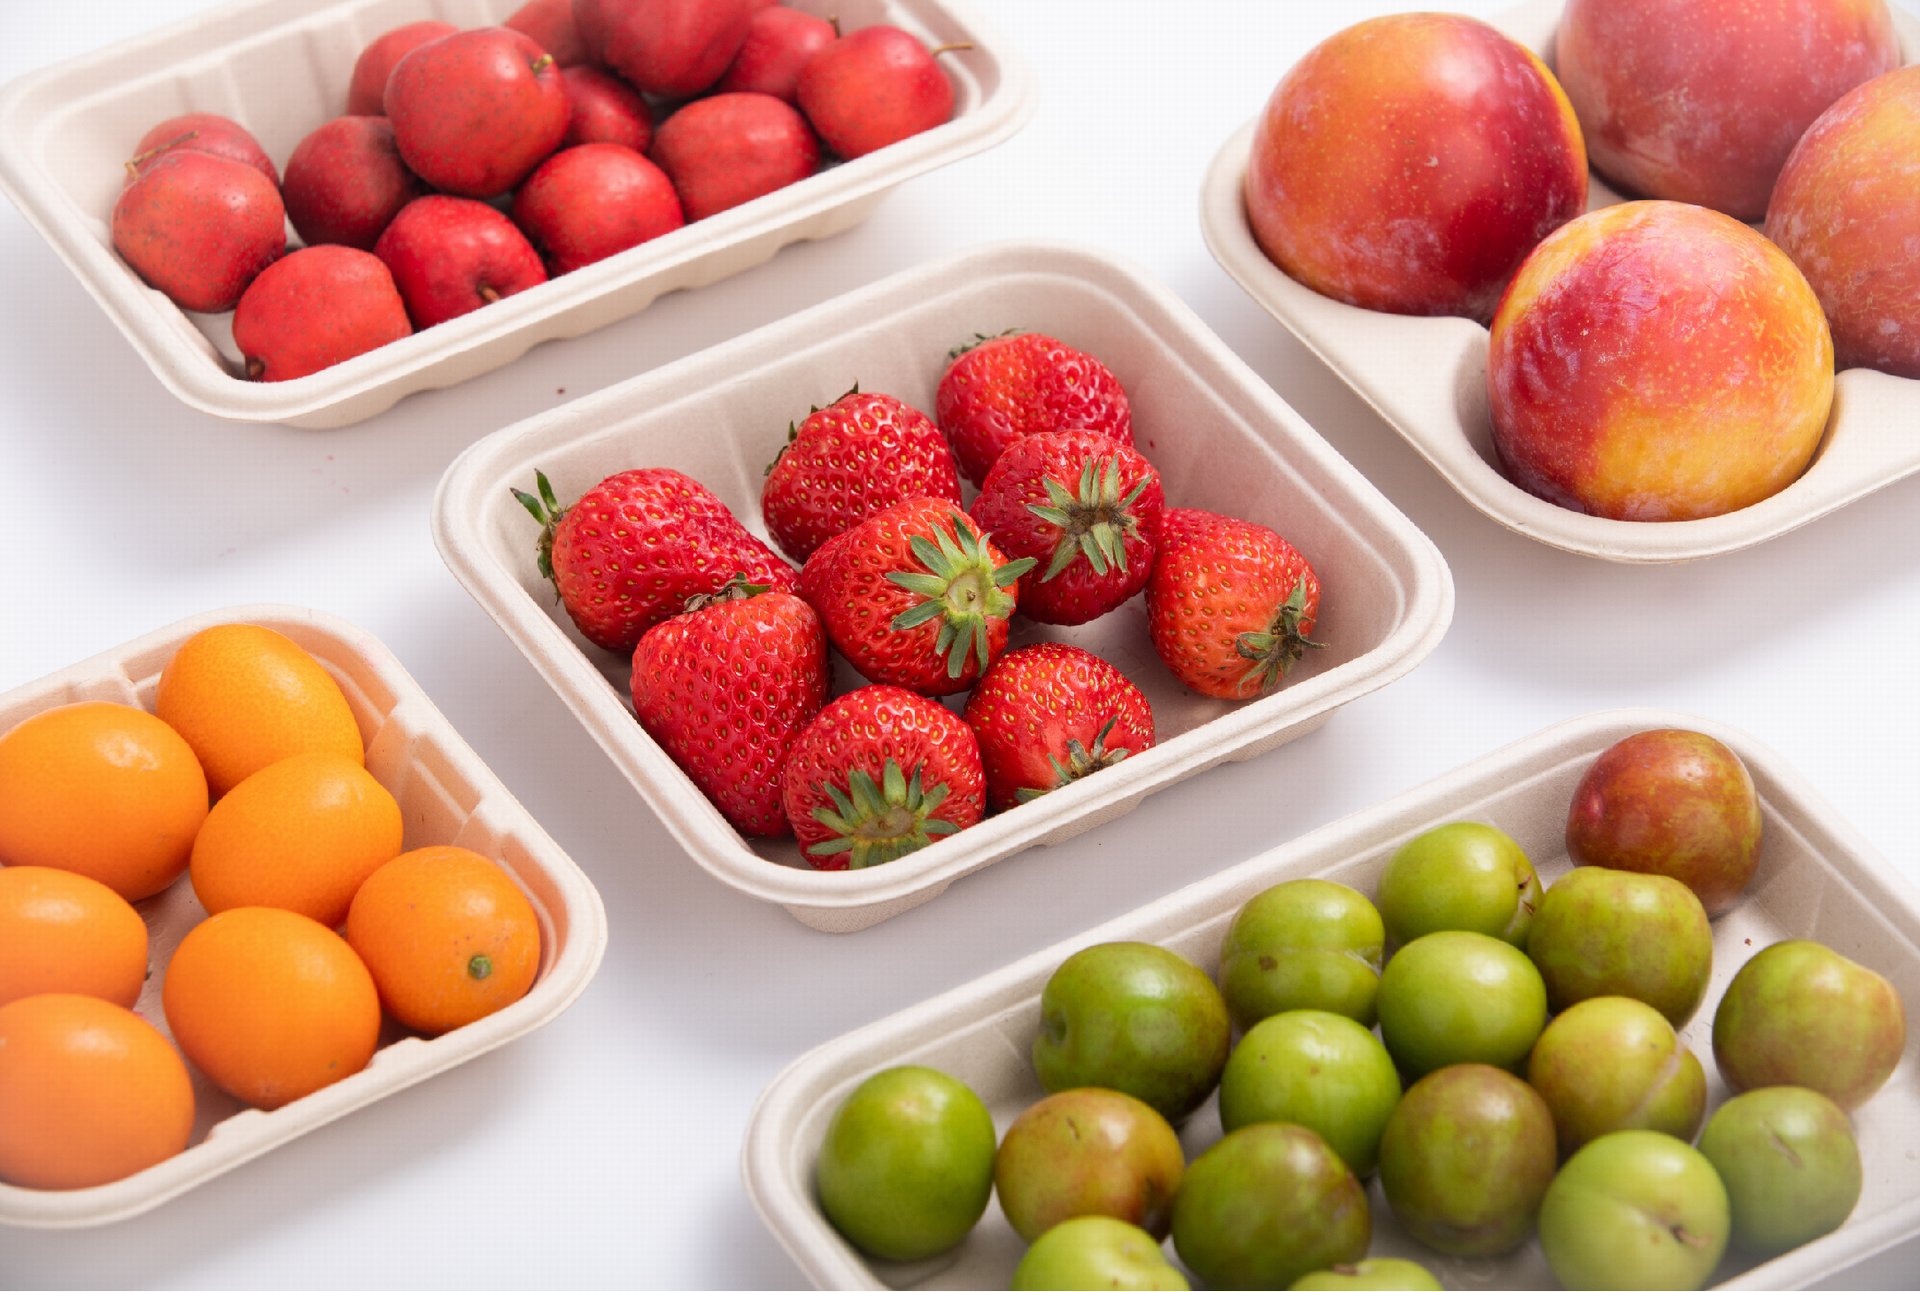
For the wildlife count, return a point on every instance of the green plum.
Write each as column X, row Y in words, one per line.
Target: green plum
column 1377, row 1272
column 1088, row 1152
column 1801, row 1014
column 1096, row 1252
column 1635, row 1209
column 1303, row 944
column 1466, row 1158
column 1461, row 875
column 1137, row 1018
column 1788, row 1158
column 1605, row 932
column 1615, row 1063
column 1316, row 1069
column 1266, row 1204
column 906, row 1167
column 1460, row 997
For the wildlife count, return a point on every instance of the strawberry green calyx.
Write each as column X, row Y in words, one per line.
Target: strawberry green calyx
column 979, row 339
column 1094, row 520
column 738, row 587
column 1081, row 761
column 963, row 589
column 545, row 509
column 1275, row 650
column 879, row 822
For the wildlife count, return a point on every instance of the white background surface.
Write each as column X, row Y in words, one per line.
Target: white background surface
column 603, row 1149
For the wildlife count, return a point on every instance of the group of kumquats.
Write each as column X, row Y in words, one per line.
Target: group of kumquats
column 248, row 778
column 729, row 642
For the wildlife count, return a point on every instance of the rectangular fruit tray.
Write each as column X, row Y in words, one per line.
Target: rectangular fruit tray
column 1817, row 879
column 280, row 67
column 1219, row 436
column 446, row 796
column 1426, row 377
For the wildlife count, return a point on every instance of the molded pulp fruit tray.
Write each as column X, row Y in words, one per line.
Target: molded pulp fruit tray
column 1817, row 879
column 446, row 795
column 1221, row 439
column 280, row 68
column 1427, row 378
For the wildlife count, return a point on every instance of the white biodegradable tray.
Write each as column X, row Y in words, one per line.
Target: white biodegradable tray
column 280, row 68
column 1220, row 437
column 1817, row 879
column 447, row 796
column 1427, row 378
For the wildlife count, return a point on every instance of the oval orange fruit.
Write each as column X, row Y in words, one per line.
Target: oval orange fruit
column 270, row 1004
column 299, row 834
column 92, row 1093
column 63, row 932
column 448, row 935
column 246, row 696
column 106, row 790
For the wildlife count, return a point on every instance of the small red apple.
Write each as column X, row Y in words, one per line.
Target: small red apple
column 316, row 307
column 475, row 112
column 603, row 109
column 367, row 88
column 203, row 132
column 549, row 24
column 779, row 42
column 345, row 181
column 587, row 203
column 672, row 48
column 451, row 255
column 199, row 227
column 727, row 149
column 1847, row 210
column 1409, row 164
column 874, row 87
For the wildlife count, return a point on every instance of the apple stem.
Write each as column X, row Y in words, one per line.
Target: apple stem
column 133, row 167
column 255, row 368
column 488, row 293
column 541, row 63
column 949, row 47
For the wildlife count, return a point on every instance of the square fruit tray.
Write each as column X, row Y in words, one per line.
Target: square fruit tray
column 1219, row 436
column 1817, row 879
column 446, row 795
column 280, row 67
column 1426, row 377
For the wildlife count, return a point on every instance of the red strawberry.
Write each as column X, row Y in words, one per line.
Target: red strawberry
column 845, row 462
column 880, row 773
column 637, row 545
column 1087, row 508
column 1024, row 383
column 1053, row 713
column 915, row 596
column 1230, row 603
column 726, row 687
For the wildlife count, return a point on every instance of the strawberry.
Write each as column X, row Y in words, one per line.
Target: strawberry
column 849, row 460
column 915, row 596
column 1024, row 383
column 637, row 545
column 1088, row 509
column 1230, row 603
column 1053, row 713
column 880, row 773
column 725, row 687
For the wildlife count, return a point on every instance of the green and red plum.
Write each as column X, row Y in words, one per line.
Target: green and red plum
column 1315, row 1069
column 1801, row 1014
column 1603, row 932
column 1096, row 1252
column 1613, row 1063
column 1788, row 1158
column 1088, row 1152
column 1461, row 875
column 1376, row 1272
column 1635, row 1209
column 1303, row 944
column 1460, row 997
column 1267, row 1204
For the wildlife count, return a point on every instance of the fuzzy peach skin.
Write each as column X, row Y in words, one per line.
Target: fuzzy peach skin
column 1847, row 209
column 1409, row 163
column 1658, row 361
column 1702, row 100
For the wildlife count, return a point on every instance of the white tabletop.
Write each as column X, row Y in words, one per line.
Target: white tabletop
column 604, row 1148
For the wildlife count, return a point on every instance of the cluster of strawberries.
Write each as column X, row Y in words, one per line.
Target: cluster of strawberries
column 730, row 643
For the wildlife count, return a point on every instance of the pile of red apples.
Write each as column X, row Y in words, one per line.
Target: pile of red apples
column 473, row 164
column 1657, row 360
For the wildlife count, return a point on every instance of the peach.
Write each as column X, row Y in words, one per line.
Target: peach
column 1847, row 209
column 1409, row 163
column 1701, row 100
column 1658, row 361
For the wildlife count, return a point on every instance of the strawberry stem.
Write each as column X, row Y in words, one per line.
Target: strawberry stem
column 961, row 588
column 1081, row 761
column 877, row 822
column 1275, row 650
column 1093, row 519
column 545, row 509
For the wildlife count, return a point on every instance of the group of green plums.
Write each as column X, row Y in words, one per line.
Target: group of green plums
column 1526, row 1077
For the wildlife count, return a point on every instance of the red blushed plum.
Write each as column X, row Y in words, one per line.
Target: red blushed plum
column 603, row 109
column 549, row 24
column 346, row 182
column 367, row 87
column 591, row 202
column 1658, row 361
column 198, row 227
column 1847, row 210
column 727, row 149
column 1409, row 163
column 474, row 112
column 317, row 307
column 671, row 48
column 201, row 132
column 779, row 42
column 451, row 255
column 1701, row 100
